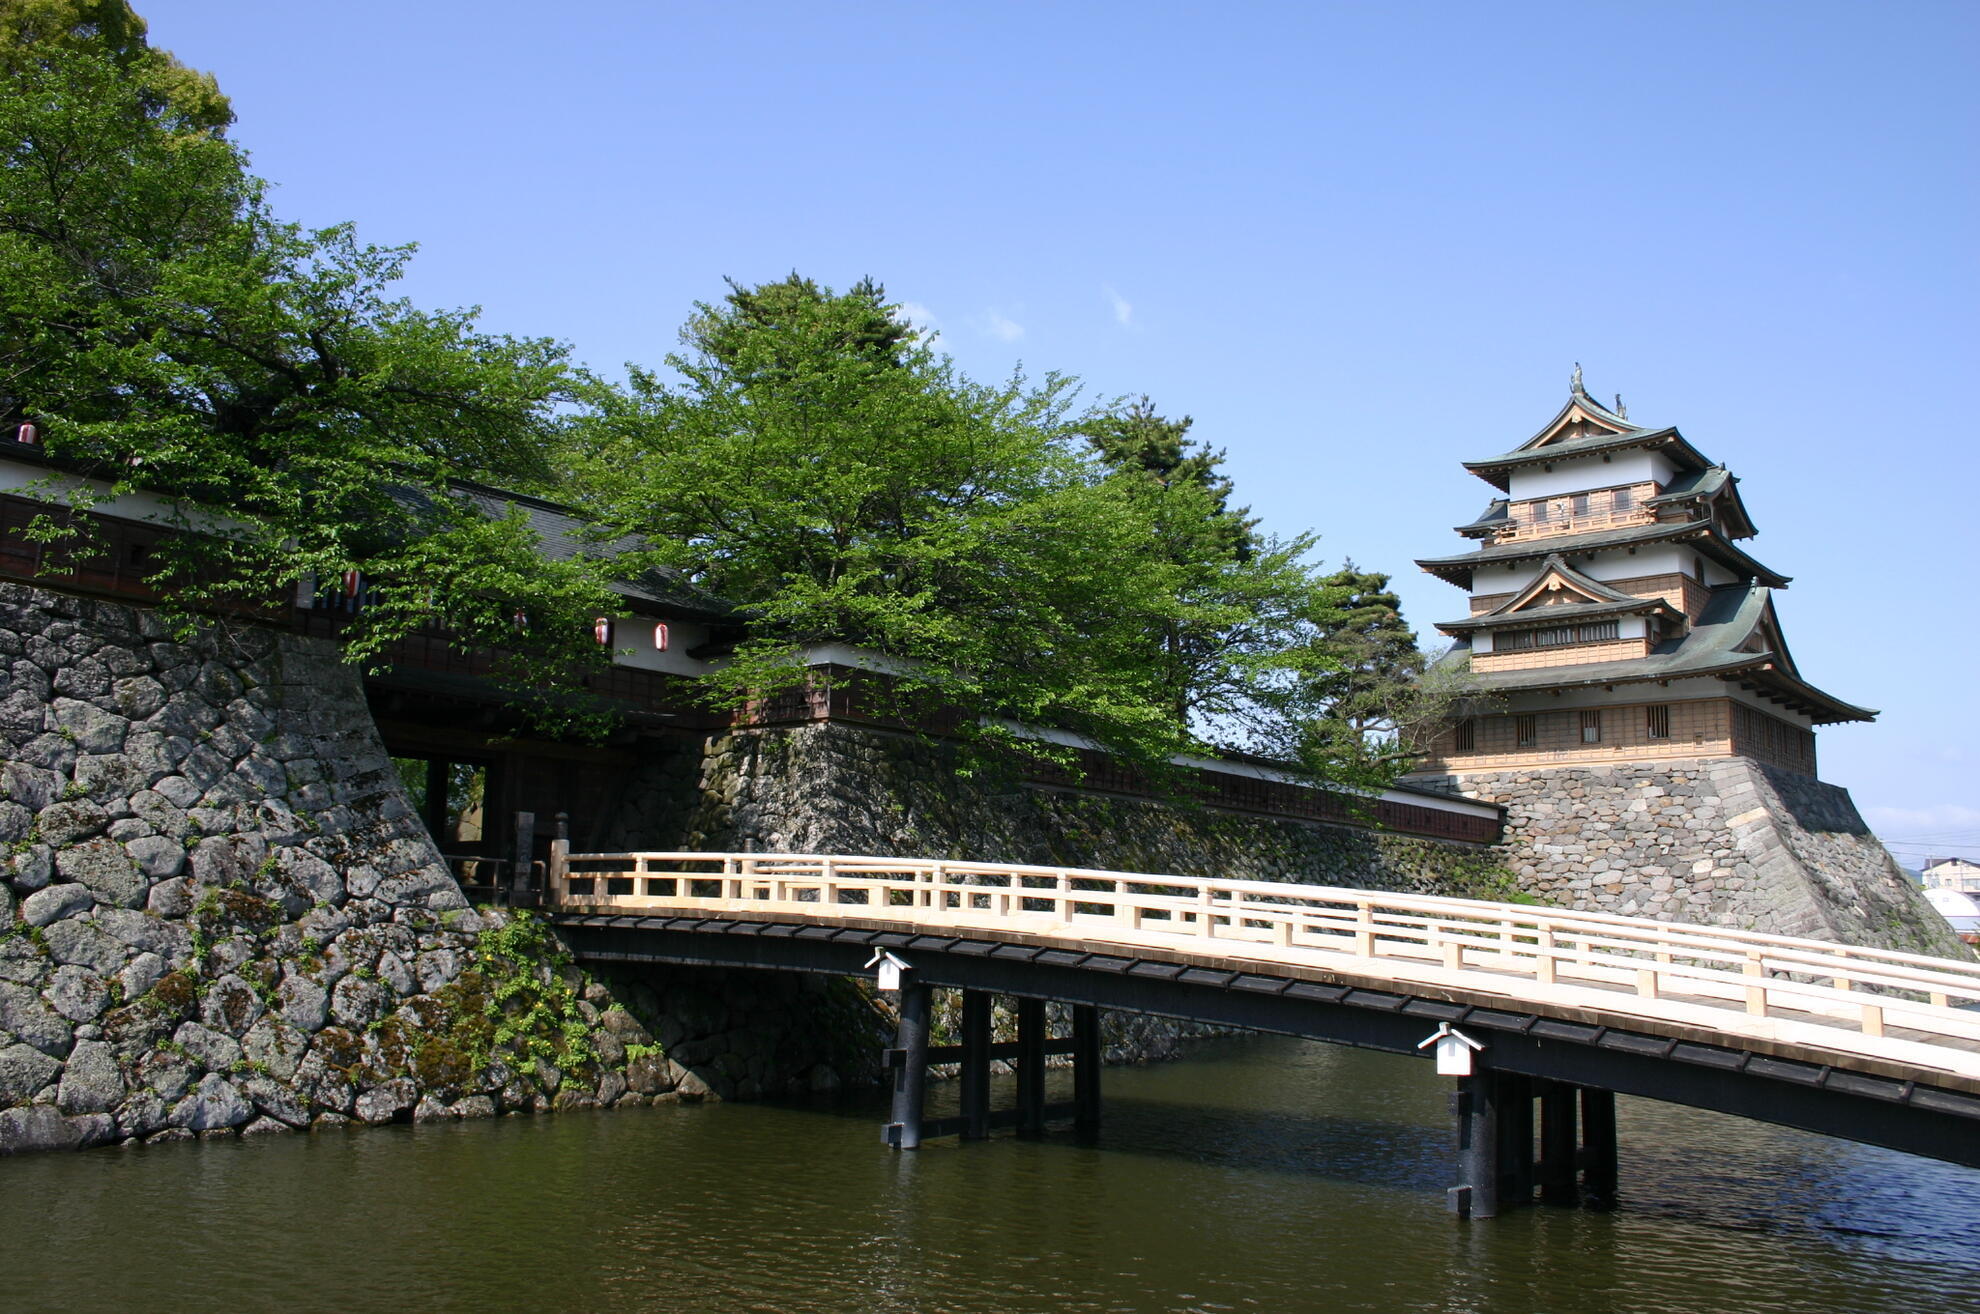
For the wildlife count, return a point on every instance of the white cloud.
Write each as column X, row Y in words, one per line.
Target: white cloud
column 925, row 321
column 1003, row 329
column 1123, row 308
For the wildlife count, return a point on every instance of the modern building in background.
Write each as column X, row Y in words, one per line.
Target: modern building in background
column 1951, row 874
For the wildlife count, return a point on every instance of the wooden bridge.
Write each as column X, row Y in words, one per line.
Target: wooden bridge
column 1560, row 1007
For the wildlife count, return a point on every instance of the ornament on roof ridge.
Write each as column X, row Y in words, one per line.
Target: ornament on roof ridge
column 1574, row 385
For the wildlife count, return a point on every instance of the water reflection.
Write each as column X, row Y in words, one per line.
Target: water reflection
column 1264, row 1175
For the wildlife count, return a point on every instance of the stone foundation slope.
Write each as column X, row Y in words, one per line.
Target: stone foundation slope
column 220, row 914
column 1722, row 841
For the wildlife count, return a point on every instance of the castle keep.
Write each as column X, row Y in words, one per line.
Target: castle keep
column 1634, row 703
column 1614, row 618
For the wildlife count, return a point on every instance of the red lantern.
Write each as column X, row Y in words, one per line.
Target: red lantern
column 660, row 637
column 520, row 620
column 601, row 630
column 351, row 582
column 28, row 436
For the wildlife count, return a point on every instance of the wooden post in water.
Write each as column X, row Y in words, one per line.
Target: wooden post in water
column 1031, row 1067
column 911, row 1076
column 1557, row 1144
column 1086, row 1071
column 1515, row 1140
column 1598, row 1148
column 1476, row 1105
column 975, row 1065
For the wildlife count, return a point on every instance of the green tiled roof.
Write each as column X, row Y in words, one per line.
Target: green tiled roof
column 1712, row 648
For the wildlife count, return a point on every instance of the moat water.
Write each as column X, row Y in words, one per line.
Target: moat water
column 1261, row 1174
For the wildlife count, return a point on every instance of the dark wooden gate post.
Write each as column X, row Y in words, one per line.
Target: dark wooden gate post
column 524, row 857
column 975, row 1065
column 911, row 1076
column 1031, row 1067
column 1598, row 1148
column 1557, row 1144
column 1476, row 1104
column 1086, row 1071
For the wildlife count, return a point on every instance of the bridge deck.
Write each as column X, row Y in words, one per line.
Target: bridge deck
column 1869, row 1010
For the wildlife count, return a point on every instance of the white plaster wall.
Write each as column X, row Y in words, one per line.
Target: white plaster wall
column 1578, row 476
column 45, row 485
column 632, row 642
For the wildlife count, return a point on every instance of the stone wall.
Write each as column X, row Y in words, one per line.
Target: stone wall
column 1724, row 841
column 220, row 915
column 834, row 788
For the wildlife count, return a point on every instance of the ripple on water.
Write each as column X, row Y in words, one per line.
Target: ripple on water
column 1264, row 1175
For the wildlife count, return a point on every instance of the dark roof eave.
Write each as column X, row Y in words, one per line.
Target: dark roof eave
column 1457, row 570
column 1495, row 469
column 1821, row 708
column 1553, row 615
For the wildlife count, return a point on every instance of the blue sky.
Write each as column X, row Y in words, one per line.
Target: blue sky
column 1358, row 242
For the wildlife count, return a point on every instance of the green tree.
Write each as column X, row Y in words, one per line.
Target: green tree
column 167, row 331
column 821, row 464
column 1372, row 695
column 32, row 30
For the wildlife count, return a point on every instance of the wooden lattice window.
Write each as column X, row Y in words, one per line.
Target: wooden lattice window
column 1556, row 636
column 1657, row 721
column 1526, row 730
column 1466, row 737
column 1591, row 726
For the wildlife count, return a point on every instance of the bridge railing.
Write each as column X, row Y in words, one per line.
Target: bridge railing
column 1888, row 1002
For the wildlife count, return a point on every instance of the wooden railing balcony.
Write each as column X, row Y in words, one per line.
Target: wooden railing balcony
column 1528, row 526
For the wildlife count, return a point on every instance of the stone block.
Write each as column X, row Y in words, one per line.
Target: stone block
column 91, row 1080
column 212, row 1106
column 36, row 1127
column 213, row 1050
column 74, row 940
column 56, row 902
column 106, row 869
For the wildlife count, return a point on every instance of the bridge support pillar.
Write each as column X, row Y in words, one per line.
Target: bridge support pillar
column 1031, row 1067
column 1515, row 1140
column 1086, row 1071
column 1476, row 1105
column 1598, row 1148
column 911, row 1077
column 975, row 1065
column 1557, row 1144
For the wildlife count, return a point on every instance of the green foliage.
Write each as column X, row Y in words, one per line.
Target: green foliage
column 168, row 331
column 517, row 1004
column 167, row 89
column 1011, row 562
